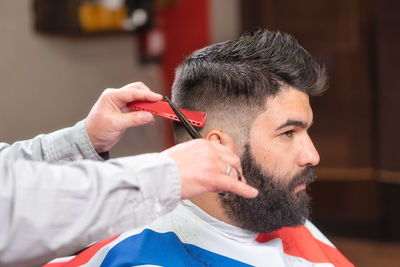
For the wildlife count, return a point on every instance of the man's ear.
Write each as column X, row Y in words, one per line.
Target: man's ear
column 222, row 138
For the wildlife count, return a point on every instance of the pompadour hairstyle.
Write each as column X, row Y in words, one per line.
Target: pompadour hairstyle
column 240, row 74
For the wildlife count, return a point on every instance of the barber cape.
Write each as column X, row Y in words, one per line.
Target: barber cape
column 190, row 237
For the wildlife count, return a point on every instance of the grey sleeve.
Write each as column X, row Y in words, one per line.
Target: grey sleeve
column 61, row 146
column 51, row 210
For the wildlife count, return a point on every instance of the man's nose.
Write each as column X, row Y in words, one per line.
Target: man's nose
column 308, row 154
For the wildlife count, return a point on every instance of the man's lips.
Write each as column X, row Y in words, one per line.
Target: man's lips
column 299, row 188
column 300, row 181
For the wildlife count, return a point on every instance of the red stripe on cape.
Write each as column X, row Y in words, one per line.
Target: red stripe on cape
column 84, row 256
column 299, row 242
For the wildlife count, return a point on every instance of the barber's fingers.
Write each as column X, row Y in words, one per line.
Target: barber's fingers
column 237, row 175
column 229, row 181
column 226, row 157
column 136, row 118
column 134, row 92
column 137, row 85
column 212, row 156
column 224, row 183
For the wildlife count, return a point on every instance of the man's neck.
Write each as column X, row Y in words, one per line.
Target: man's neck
column 211, row 204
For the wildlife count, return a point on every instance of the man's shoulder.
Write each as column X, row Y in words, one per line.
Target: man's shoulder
column 176, row 239
column 305, row 243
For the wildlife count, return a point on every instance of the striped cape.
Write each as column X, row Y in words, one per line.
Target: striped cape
column 189, row 237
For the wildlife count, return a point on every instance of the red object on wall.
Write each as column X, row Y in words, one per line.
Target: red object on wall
column 186, row 27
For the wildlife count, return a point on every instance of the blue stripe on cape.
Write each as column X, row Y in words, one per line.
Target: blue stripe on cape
column 163, row 249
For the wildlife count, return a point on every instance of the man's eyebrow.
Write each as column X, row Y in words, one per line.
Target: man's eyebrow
column 296, row 123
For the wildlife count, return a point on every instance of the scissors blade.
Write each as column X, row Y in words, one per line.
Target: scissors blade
column 191, row 130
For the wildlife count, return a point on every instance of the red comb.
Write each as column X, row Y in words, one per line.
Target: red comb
column 162, row 108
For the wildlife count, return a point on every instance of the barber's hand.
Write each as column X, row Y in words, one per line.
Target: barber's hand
column 110, row 116
column 202, row 167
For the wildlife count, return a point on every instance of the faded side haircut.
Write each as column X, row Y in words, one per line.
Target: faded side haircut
column 231, row 80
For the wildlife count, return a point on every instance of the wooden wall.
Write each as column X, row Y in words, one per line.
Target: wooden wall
column 355, row 120
column 388, row 103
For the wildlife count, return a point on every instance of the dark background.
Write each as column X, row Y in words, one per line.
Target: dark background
column 356, row 124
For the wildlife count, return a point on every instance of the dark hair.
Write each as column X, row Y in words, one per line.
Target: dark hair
column 245, row 72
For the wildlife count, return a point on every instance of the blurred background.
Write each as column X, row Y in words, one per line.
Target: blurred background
column 57, row 56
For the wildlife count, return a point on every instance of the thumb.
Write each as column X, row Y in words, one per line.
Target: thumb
column 134, row 118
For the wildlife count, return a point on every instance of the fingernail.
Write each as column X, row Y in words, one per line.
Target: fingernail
column 254, row 191
column 147, row 117
column 156, row 96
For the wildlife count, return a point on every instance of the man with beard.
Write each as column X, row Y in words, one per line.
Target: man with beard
column 255, row 91
column 278, row 204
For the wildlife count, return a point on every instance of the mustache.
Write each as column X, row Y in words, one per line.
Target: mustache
column 306, row 176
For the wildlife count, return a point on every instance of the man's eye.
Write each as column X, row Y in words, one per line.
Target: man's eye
column 289, row 133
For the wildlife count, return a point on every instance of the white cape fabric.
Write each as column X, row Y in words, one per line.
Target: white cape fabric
column 190, row 237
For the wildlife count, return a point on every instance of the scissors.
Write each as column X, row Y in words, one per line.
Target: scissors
column 189, row 127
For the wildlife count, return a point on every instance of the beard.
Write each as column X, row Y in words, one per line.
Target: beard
column 276, row 206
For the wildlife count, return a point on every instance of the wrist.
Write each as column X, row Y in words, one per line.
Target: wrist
column 100, row 151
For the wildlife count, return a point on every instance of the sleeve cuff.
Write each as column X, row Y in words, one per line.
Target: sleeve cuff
column 70, row 144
